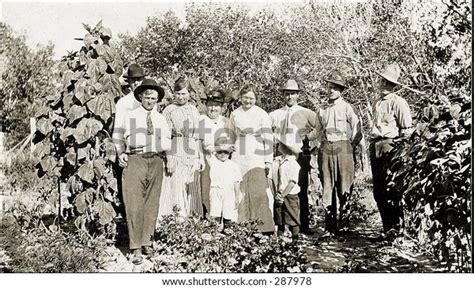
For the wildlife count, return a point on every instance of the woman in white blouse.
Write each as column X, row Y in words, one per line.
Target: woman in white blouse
column 254, row 155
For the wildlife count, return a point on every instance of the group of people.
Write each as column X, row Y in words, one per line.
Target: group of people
column 252, row 165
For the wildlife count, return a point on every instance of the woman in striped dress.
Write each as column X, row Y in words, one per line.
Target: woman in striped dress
column 181, row 185
column 254, row 154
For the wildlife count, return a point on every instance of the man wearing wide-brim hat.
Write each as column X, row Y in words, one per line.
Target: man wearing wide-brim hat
column 146, row 137
column 133, row 77
column 296, row 121
column 392, row 119
column 337, row 131
column 130, row 80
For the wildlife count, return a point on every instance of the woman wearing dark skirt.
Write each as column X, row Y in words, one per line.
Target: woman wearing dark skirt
column 254, row 154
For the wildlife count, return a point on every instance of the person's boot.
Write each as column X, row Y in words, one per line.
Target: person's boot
column 226, row 224
column 137, row 257
column 295, row 230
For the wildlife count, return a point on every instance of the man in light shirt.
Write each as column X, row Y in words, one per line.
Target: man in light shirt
column 134, row 76
column 338, row 131
column 392, row 119
column 141, row 154
column 296, row 122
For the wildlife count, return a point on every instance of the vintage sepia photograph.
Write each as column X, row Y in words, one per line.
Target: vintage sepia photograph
column 236, row 137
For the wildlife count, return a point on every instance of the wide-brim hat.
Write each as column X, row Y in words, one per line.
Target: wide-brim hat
column 289, row 141
column 337, row 79
column 105, row 32
column 134, row 71
column 149, row 84
column 391, row 73
column 290, row 85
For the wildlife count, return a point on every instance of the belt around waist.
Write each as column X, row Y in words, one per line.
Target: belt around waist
column 335, row 142
column 147, row 155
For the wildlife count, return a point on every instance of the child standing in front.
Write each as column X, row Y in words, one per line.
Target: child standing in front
column 287, row 202
column 225, row 178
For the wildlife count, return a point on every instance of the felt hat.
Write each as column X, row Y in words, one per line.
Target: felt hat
column 149, row 83
column 391, row 73
column 337, row 79
column 290, row 85
column 134, row 71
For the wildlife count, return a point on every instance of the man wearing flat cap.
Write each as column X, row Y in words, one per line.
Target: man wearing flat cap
column 296, row 122
column 141, row 154
column 338, row 131
column 392, row 120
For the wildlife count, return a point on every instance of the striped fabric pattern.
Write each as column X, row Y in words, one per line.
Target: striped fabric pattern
column 182, row 188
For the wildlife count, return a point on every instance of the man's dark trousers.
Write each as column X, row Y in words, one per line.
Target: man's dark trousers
column 388, row 198
column 303, row 180
column 142, row 179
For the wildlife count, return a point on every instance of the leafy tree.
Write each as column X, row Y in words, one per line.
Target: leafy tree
column 27, row 77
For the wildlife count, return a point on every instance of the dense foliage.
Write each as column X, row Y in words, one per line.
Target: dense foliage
column 433, row 167
column 74, row 134
column 197, row 246
column 49, row 250
column 430, row 41
column 27, row 76
column 229, row 46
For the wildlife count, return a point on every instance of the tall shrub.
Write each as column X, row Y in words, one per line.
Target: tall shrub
column 74, row 133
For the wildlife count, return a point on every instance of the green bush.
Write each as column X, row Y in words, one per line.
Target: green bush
column 200, row 246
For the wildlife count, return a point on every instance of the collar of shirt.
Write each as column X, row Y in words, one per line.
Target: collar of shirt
column 386, row 96
column 215, row 120
column 294, row 107
column 327, row 104
column 143, row 110
column 287, row 158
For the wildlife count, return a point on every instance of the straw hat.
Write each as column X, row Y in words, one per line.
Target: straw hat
column 391, row 73
column 290, row 85
column 337, row 79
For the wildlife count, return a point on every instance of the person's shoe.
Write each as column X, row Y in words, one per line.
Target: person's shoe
column 392, row 234
column 147, row 250
column 137, row 257
column 328, row 235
